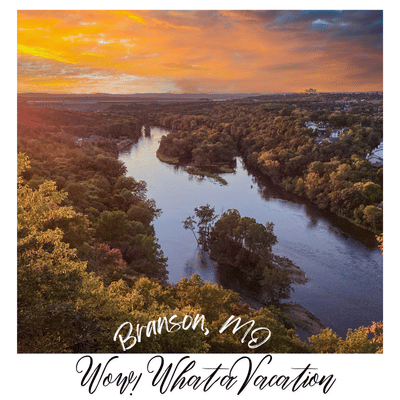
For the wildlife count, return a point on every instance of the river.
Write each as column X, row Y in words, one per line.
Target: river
column 344, row 270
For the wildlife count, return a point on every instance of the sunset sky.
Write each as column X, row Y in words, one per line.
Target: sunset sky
column 199, row 51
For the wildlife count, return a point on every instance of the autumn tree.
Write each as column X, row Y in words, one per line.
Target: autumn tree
column 241, row 241
column 244, row 245
column 362, row 340
column 49, row 273
column 276, row 285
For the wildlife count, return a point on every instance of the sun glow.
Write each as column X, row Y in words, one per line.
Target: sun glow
column 195, row 51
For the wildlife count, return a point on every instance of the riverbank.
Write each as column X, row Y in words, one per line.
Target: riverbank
column 345, row 223
column 165, row 159
column 204, row 174
column 125, row 144
column 192, row 170
column 305, row 323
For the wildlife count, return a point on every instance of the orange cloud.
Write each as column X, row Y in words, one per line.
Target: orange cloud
column 129, row 15
column 198, row 50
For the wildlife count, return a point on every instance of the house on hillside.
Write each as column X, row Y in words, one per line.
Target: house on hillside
column 322, row 126
column 376, row 156
column 319, row 126
column 324, row 134
column 311, row 125
column 335, row 134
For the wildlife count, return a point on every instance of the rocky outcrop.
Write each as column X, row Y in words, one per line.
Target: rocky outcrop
column 305, row 323
column 295, row 273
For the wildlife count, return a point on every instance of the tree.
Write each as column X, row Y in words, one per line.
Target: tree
column 104, row 261
column 258, row 238
column 356, row 341
column 244, row 246
column 129, row 183
column 373, row 192
column 325, row 342
column 276, row 285
column 49, row 273
column 203, row 219
column 39, row 246
column 144, row 212
column 114, row 226
column 235, row 236
column 371, row 215
column 379, row 239
column 190, row 224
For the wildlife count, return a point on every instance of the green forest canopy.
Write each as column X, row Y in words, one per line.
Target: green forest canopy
column 88, row 261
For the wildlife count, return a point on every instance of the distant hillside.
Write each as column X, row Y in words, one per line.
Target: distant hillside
column 98, row 97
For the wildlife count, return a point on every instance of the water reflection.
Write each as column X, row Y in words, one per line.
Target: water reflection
column 202, row 265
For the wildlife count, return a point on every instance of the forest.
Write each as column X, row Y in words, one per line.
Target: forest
column 273, row 139
column 87, row 255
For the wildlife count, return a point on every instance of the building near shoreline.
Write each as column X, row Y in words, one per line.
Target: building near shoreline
column 376, row 156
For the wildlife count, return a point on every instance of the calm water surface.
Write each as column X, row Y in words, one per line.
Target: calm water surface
column 344, row 271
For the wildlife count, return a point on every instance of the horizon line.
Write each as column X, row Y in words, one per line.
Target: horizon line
column 194, row 93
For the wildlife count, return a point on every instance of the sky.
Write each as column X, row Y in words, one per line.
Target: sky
column 154, row 51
